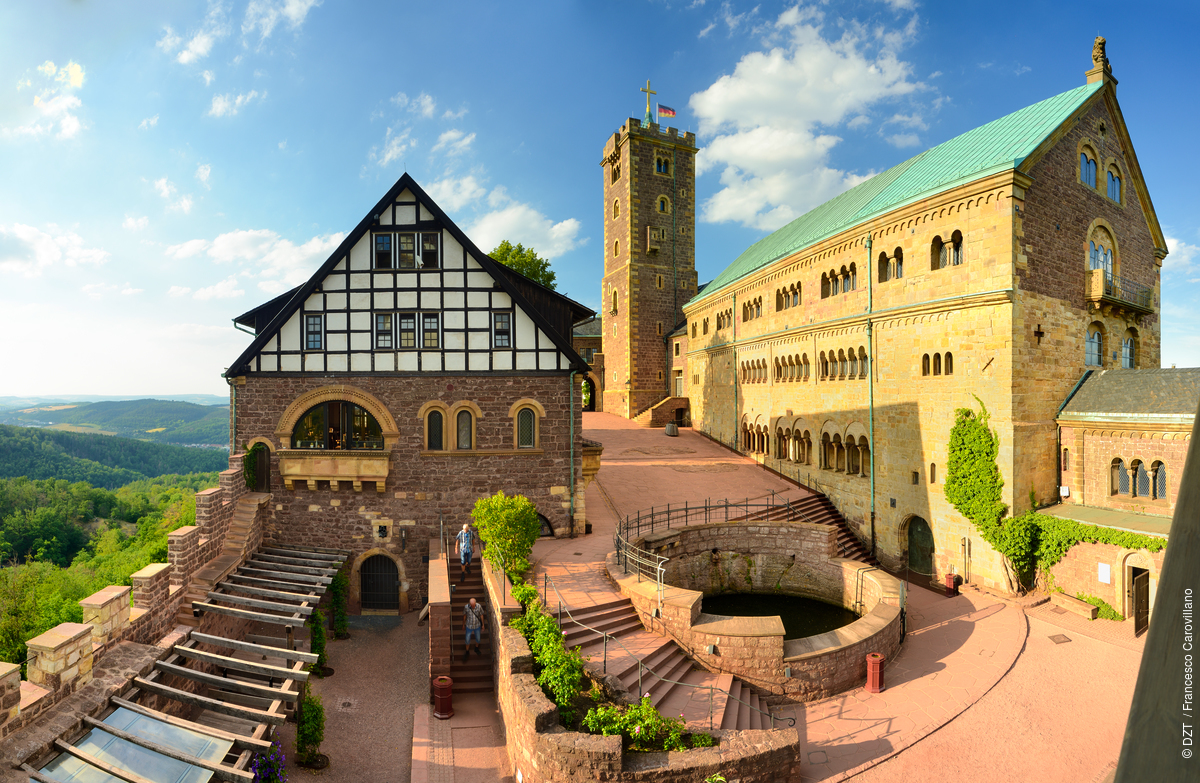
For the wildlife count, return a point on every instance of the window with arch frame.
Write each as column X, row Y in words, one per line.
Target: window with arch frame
column 526, row 428
column 1114, row 186
column 337, row 425
column 1087, row 168
column 464, row 429
column 435, row 425
column 1093, row 355
column 1127, row 352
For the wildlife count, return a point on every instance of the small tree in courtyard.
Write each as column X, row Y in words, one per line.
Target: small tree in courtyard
column 338, row 591
column 310, row 729
column 508, row 525
column 316, row 640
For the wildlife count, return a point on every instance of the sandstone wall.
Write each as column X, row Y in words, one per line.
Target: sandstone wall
column 1080, row 570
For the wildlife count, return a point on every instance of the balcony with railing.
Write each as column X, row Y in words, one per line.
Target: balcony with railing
column 1107, row 289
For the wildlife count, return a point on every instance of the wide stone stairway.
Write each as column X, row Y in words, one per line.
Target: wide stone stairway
column 475, row 675
column 676, row 687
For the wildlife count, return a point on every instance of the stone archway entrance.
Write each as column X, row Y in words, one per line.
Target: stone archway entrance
column 378, row 584
column 590, row 392
column 920, row 547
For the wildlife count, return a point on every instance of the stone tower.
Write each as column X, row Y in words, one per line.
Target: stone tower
column 649, row 258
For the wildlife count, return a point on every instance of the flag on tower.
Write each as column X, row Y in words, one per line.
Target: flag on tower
column 665, row 111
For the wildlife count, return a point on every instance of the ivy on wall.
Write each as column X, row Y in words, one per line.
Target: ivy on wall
column 250, row 465
column 1032, row 542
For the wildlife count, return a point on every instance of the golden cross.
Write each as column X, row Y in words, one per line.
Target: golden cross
column 648, row 92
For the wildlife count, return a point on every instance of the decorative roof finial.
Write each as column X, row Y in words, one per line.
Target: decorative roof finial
column 1099, row 59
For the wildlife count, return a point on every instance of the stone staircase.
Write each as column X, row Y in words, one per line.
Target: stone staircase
column 818, row 509
column 233, row 553
column 475, row 675
column 661, row 412
column 675, row 685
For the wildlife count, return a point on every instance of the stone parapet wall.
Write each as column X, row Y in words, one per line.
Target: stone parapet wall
column 541, row 750
column 791, row 558
column 107, row 611
column 1080, row 569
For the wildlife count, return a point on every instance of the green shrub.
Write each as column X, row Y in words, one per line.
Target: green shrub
column 316, row 640
column 642, row 726
column 310, row 726
column 338, row 591
column 702, row 740
column 508, row 527
column 559, row 670
column 1107, row 612
column 250, row 465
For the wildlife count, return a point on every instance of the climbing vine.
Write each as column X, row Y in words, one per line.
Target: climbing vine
column 1031, row 542
column 250, row 465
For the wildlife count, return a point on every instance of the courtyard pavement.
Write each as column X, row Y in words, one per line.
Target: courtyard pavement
column 956, row 652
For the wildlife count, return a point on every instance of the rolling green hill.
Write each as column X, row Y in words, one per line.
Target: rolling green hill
column 157, row 420
column 100, row 460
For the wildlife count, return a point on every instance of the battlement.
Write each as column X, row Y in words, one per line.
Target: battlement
column 634, row 127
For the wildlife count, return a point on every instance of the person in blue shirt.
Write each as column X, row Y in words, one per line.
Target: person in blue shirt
column 462, row 546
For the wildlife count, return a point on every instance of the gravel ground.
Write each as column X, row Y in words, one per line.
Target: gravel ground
column 1057, row 717
column 380, row 675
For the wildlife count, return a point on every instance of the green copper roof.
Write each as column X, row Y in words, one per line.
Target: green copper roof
column 1000, row 145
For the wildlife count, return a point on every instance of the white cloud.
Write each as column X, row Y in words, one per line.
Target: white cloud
column 135, row 224
column 209, row 77
column 769, row 120
column 278, row 263
column 228, row 104
column 397, row 141
column 177, row 291
column 184, row 205
column 148, row 123
column 202, row 173
column 53, row 106
column 98, row 290
column 28, row 250
column 283, row 144
column 454, row 193
column 498, row 196
column 265, row 15
column 226, row 289
column 524, row 224
column 454, row 141
column 197, row 48
column 48, row 68
column 164, row 187
column 903, row 140
column 1182, row 258
column 454, row 115
column 169, row 42
column 707, row 29
column 130, row 291
column 423, row 104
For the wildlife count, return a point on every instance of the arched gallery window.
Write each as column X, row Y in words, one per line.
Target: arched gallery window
column 464, row 428
column 526, row 428
column 1093, row 355
column 435, row 429
column 337, row 425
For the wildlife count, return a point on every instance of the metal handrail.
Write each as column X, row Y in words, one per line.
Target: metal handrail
column 1127, row 290
column 712, row 689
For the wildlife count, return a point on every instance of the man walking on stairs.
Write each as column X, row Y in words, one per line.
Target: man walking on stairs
column 473, row 620
column 462, row 546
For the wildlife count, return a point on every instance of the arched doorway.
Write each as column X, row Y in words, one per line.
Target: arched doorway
column 920, row 547
column 589, row 394
column 380, row 584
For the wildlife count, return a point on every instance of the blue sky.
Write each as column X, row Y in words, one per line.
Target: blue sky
column 168, row 166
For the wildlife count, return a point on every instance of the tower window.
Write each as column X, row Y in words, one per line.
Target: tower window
column 658, row 328
column 662, row 165
column 658, row 283
column 616, row 247
column 664, row 205
column 616, row 209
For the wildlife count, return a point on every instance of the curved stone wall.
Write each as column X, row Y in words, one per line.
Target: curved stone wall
column 764, row 557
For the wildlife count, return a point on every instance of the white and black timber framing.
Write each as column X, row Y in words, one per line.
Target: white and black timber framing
column 454, row 283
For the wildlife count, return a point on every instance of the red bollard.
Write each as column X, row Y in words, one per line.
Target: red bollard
column 443, row 697
column 875, row 663
column 951, row 585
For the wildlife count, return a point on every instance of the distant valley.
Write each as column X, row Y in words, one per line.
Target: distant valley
column 160, row 421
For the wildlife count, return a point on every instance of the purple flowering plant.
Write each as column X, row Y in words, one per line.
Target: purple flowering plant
column 269, row 767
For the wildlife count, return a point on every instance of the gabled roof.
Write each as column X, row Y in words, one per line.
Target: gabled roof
column 503, row 276
column 258, row 318
column 1152, row 394
column 997, row 146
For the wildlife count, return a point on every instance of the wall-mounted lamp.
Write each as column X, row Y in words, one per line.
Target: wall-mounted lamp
column 383, row 531
column 628, row 384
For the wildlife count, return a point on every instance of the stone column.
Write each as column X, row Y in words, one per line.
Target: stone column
column 862, row 462
column 10, row 693
column 62, row 657
column 107, row 612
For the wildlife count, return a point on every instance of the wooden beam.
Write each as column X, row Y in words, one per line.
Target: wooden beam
column 319, row 589
column 297, row 561
column 38, row 776
column 227, row 683
column 282, row 552
column 103, row 766
column 230, row 697
column 237, row 644
column 282, row 576
column 265, row 593
column 246, row 614
column 245, row 666
column 259, row 604
column 220, row 771
column 205, row 703
column 292, row 569
column 199, row 728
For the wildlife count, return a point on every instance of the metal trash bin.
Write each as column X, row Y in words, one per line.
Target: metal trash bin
column 443, row 698
column 951, row 585
column 875, row 663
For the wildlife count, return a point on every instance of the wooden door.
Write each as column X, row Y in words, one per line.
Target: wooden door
column 920, row 547
column 1141, row 600
column 380, row 583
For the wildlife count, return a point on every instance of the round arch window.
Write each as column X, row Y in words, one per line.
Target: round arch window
column 337, row 425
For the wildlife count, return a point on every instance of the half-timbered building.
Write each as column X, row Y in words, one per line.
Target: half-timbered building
column 411, row 375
